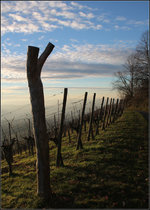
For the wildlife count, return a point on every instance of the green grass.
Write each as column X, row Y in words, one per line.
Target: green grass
column 110, row 172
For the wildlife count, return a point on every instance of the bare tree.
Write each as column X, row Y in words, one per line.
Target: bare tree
column 142, row 58
column 125, row 80
column 135, row 75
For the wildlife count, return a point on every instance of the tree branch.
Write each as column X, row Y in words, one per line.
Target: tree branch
column 44, row 56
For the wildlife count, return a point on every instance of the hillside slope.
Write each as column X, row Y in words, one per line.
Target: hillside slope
column 110, row 172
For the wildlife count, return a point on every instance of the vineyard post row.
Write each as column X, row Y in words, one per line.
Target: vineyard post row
column 104, row 116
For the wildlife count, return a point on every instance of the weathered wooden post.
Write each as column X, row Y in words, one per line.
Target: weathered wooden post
column 59, row 161
column 109, row 111
column 9, row 127
column 34, row 68
column 58, row 115
column 99, row 116
column 120, row 108
column 123, row 106
column 79, row 144
column 115, row 111
column 91, row 118
column 55, row 127
column 72, row 121
column 105, row 114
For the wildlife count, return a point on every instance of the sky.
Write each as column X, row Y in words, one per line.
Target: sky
column 92, row 41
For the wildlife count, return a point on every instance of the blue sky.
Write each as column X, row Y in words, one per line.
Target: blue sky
column 92, row 41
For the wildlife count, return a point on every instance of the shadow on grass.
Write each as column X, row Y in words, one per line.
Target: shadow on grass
column 56, row 201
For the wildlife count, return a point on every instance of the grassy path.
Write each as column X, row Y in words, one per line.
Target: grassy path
column 110, row 172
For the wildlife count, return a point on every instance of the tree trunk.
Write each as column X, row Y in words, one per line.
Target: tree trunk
column 34, row 68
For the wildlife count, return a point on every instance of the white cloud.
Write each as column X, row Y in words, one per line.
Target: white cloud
column 23, row 40
column 39, row 16
column 79, row 6
column 18, row 17
column 86, row 15
column 41, row 37
column 75, row 61
column 126, row 28
column 120, row 18
column 136, row 23
column 74, row 40
column 29, row 17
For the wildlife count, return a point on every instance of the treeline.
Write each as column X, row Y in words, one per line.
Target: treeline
column 133, row 82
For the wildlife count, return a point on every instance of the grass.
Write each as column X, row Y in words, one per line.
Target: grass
column 110, row 172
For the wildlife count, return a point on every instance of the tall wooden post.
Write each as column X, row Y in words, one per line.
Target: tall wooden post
column 58, row 114
column 109, row 111
column 55, row 127
column 9, row 127
column 79, row 144
column 105, row 114
column 115, row 111
column 91, row 118
column 123, row 106
column 34, row 68
column 99, row 116
column 59, row 161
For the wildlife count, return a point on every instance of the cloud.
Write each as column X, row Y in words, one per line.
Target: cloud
column 120, row 18
column 30, row 17
column 137, row 23
column 39, row 16
column 70, row 62
column 86, row 15
column 18, row 17
column 126, row 28
column 81, row 7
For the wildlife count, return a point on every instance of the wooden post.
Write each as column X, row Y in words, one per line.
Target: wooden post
column 59, row 161
column 115, row 111
column 9, row 127
column 105, row 114
column 58, row 114
column 55, row 127
column 72, row 121
column 120, row 107
column 79, row 144
column 123, row 106
column 109, row 111
column 91, row 118
column 34, row 68
column 99, row 116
